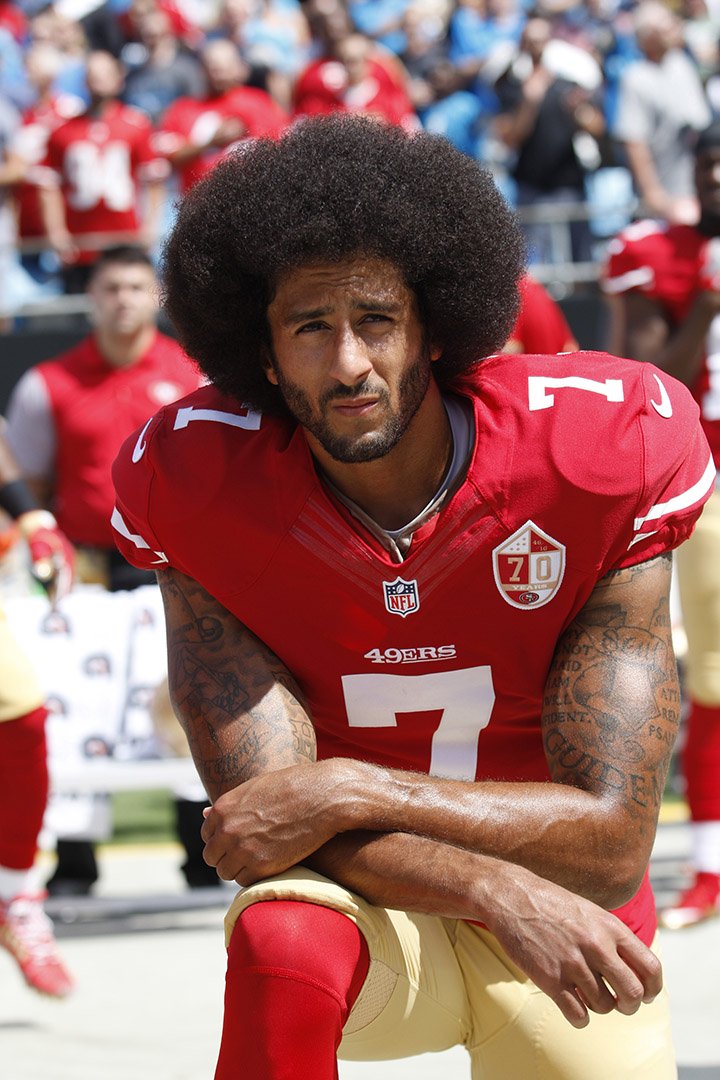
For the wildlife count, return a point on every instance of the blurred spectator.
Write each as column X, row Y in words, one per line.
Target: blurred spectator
column 99, row 23
column 701, row 30
column 194, row 134
column 661, row 108
column 447, row 107
column 12, row 170
column 551, row 116
column 272, row 35
column 66, row 421
column 478, row 27
column 97, row 164
column 541, row 326
column 381, row 20
column 182, row 27
column 322, row 85
column 43, row 62
column 69, row 39
column 13, row 83
column 425, row 48
column 169, row 70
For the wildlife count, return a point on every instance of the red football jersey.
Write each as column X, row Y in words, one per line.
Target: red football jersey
column 94, row 407
column 438, row 663
column 668, row 263
column 189, row 119
column 540, row 326
column 99, row 162
column 323, row 87
column 31, row 143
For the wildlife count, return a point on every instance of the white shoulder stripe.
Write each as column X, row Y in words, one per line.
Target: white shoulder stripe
column 683, row 500
column 641, row 536
column 118, row 523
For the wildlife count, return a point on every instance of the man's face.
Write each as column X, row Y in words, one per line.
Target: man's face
column 707, row 181
column 349, row 355
column 124, row 298
column 103, row 76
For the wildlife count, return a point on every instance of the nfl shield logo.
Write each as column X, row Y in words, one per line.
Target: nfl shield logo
column 401, row 597
column 529, row 567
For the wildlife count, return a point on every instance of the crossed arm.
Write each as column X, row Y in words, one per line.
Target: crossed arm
column 459, row 849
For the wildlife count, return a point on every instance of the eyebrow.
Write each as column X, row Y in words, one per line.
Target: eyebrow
column 307, row 315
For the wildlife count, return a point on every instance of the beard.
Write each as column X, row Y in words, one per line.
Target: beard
column 351, row 449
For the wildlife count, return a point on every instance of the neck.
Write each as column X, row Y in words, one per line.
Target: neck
column 122, row 350
column 394, row 489
column 98, row 106
column 163, row 51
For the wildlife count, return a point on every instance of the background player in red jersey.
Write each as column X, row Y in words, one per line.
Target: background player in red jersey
column 96, row 167
column 664, row 288
column 418, row 628
column 194, row 134
column 25, row 930
column 66, row 420
column 541, row 326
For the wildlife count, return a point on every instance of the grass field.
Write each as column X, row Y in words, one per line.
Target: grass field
column 143, row 817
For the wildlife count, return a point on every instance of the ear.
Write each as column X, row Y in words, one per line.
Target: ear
column 269, row 368
column 435, row 353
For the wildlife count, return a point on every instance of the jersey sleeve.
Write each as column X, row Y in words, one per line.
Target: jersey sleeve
column 133, row 476
column 631, row 260
column 678, row 469
column 30, row 429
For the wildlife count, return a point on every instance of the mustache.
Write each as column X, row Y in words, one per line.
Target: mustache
column 347, row 393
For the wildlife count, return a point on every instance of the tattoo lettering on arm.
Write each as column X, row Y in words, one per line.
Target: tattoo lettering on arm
column 612, row 704
column 242, row 711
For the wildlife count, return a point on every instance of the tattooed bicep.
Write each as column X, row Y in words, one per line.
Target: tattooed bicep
column 242, row 710
column 612, row 701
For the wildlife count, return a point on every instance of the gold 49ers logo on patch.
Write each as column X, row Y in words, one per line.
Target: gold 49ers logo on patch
column 529, row 567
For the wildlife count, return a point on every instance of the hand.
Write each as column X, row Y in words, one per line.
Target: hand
column 580, row 955
column 537, row 85
column 269, row 823
column 64, row 247
column 229, row 131
column 51, row 553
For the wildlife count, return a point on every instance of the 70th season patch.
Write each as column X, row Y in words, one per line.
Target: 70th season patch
column 529, row 567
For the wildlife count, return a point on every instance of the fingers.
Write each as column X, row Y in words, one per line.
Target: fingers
column 572, row 1007
column 646, row 967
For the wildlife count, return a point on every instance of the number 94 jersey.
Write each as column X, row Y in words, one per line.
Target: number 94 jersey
column 581, row 463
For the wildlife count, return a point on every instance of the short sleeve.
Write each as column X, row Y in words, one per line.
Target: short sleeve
column 678, row 469
column 30, row 429
column 630, row 260
column 133, row 476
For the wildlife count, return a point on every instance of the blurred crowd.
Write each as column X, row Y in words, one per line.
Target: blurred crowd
column 109, row 110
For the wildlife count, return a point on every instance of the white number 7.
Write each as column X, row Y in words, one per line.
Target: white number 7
column 612, row 389
column 466, row 697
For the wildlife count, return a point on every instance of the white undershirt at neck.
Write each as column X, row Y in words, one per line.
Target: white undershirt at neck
column 397, row 541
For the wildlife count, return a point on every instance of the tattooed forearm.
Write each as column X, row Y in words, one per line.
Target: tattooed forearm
column 612, row 702
column 241, row 709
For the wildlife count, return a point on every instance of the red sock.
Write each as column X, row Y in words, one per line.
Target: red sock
column 294, row 972
column 701, row 762
column 23, row 788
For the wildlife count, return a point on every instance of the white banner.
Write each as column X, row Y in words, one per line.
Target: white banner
column 99, row 658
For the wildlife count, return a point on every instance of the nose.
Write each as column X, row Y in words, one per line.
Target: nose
column 351, row 361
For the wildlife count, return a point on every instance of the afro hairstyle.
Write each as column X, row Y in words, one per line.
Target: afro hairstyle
column 329, row 189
